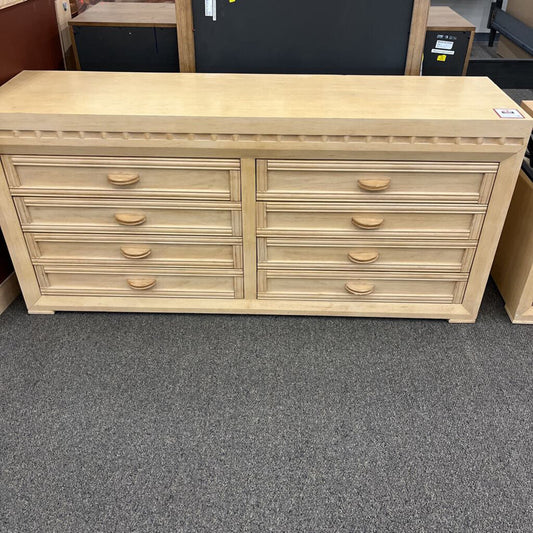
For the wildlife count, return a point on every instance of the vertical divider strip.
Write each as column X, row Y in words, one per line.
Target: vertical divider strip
column 248, row 180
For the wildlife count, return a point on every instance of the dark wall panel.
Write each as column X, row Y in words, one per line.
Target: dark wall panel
column 304, row 36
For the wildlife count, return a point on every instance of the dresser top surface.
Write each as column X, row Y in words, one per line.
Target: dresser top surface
column 297, row 103
column 245, row 95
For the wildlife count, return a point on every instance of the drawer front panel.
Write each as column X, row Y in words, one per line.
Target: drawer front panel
column 42, row 214
column 359, row 221
column 336, row 286
column 124, row 177
column 358, row 255
column 366, row 181
column 52, row 248
column 188, row 284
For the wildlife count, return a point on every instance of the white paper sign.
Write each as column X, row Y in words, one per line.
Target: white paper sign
column 444, row 45
column 208, row 8
column 508, row 113
column 441, row 52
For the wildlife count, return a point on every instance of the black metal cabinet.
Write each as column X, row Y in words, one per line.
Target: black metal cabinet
column 130, row 37
column 303, row 36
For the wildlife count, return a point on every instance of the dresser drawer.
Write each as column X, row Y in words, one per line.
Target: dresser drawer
column 63, row 281
column 368, row 221
column 340, row 254
column 371, row 180
column 361, row 287
column 210, row 179
column 161, row 251
column 128, row 216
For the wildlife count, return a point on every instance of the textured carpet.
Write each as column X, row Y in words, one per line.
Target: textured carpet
column 193, row 423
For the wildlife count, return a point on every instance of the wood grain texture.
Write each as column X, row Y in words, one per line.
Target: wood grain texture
column 513, row 265
column 18, row 250
column 42, row 214
column 528, row 106
column 445, row 18
column 202, row 179
column 417, row 37
column 491, row 230
column 113, row 250
column 360, row 286
column 185, row 26
column 248, row 200
column 104, row 281
column 374, row 255
column 163, row 104
column 9, row 290
column 369, row 220
column 375, row 181
column 130, row 14
column 249, row 228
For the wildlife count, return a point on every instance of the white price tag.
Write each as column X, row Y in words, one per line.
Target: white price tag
column 508, row 113
column 444, row 45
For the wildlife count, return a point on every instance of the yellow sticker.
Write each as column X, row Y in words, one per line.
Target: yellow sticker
column 441, row 58
column 231, row 1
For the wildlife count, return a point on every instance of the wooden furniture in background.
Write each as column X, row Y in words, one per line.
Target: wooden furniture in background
column 313, row 195
column 9, row 3
column 242, row 40
column 126, row 36
column 447, row 26
column 29, row 39
column 523, row 11
column 513, row 266
column 185, row 34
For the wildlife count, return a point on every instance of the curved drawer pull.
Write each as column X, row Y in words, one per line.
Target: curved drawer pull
column 135, row 252
column 374, row 185
column 359, row 288
column 363, row 258
column 129, row 219
column 367, row 222
column 142, row 284
column 123, row 179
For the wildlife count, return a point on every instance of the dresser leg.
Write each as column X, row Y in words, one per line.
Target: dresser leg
column 467, row 320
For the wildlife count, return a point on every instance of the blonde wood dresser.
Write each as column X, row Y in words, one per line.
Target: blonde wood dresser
column 312, row 195
column 513, row 266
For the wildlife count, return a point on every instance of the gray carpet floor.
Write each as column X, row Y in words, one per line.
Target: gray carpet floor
column 194, row 423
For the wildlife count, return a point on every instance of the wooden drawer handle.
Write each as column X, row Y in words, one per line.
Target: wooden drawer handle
column 363, row 258
column 128, row 219
column 359, row 289
column 134, row 252
column 123, row 179
column 142, row 284
column 374, row 185
column 367, row 223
